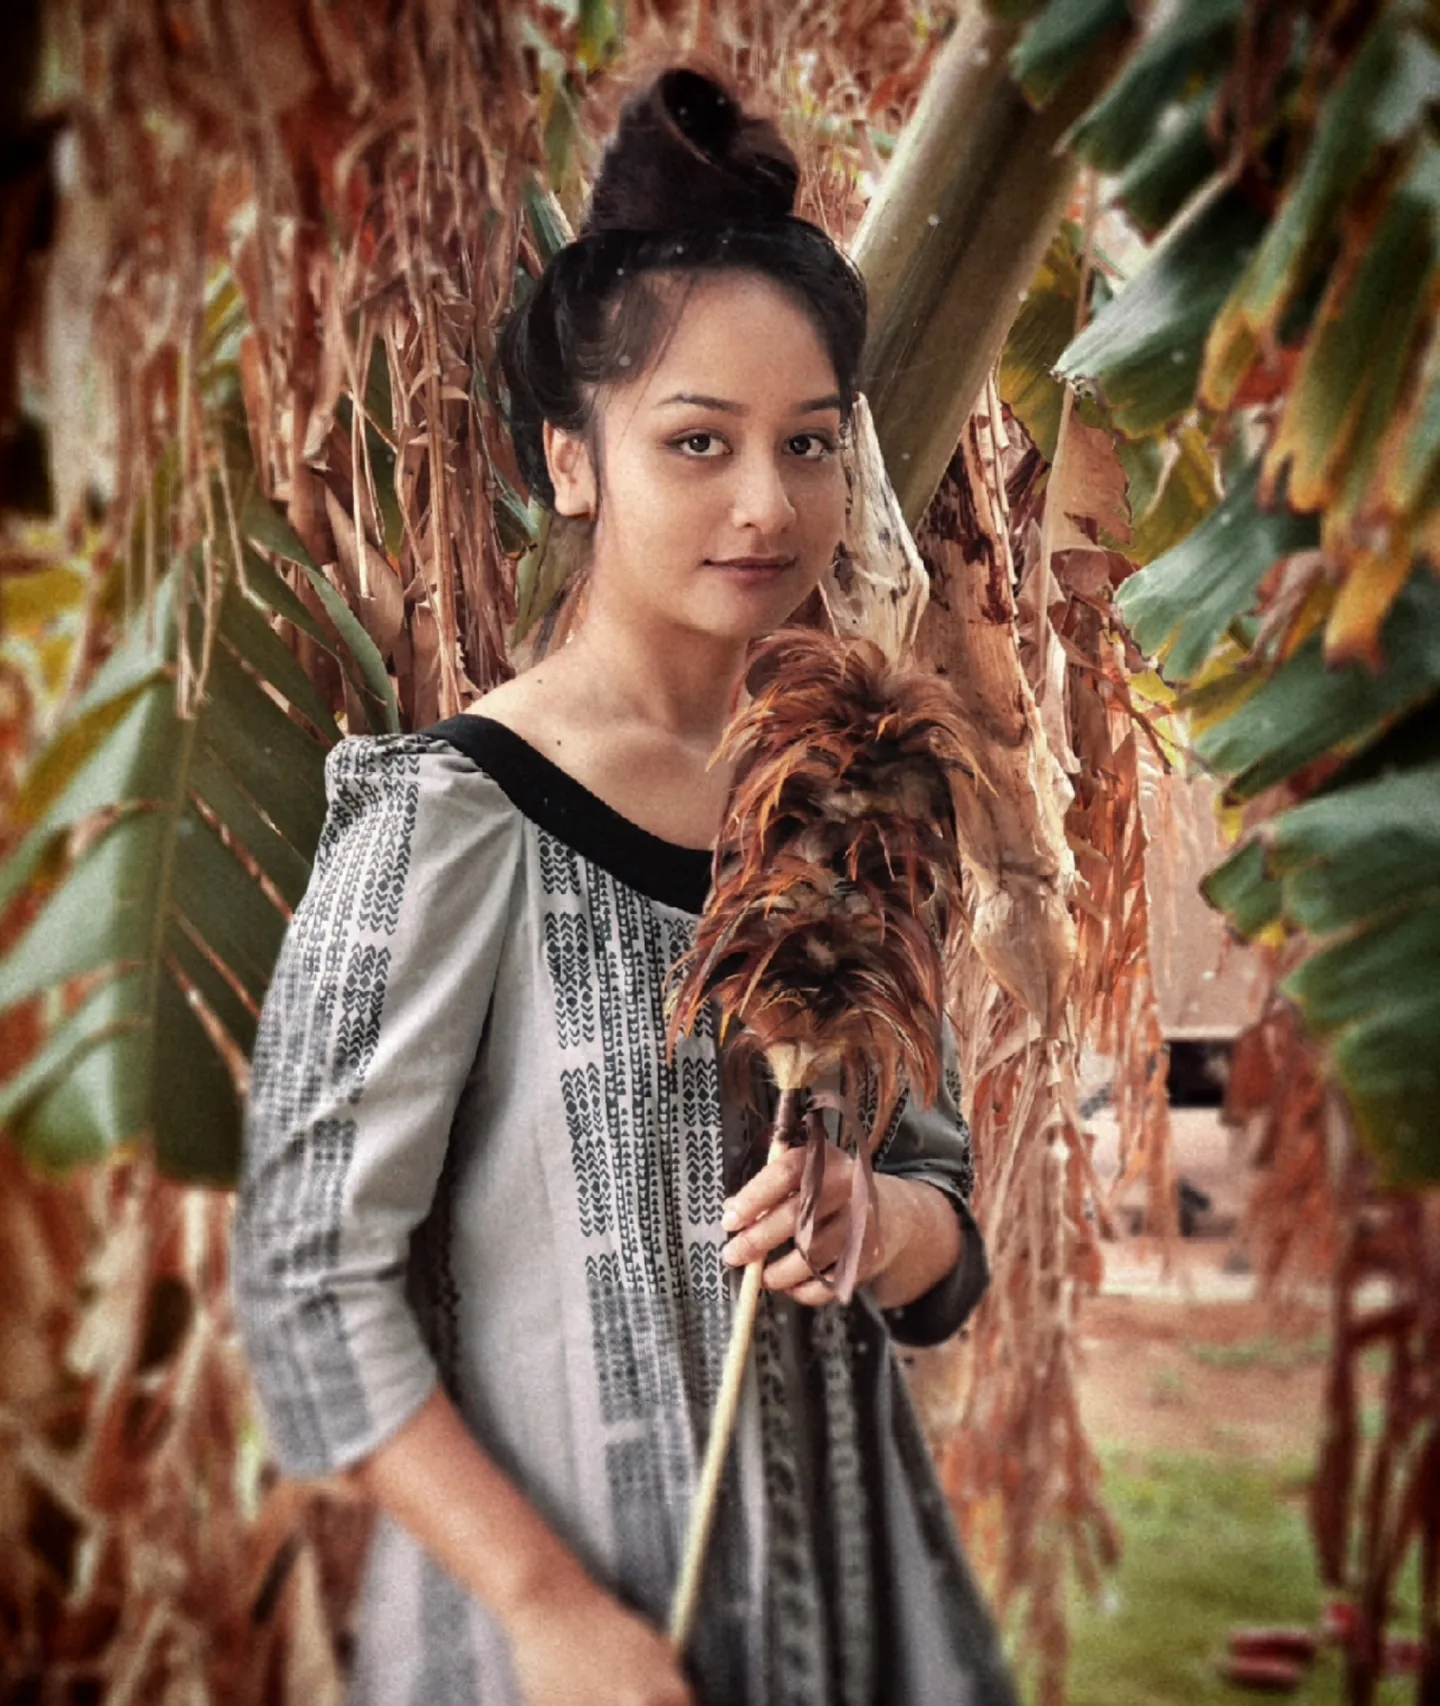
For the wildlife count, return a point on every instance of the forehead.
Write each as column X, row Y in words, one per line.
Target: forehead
column 740, row 336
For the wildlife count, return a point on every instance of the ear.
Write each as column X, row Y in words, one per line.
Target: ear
column 572, row 472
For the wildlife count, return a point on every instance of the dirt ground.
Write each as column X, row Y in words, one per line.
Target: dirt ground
column 1185, row 1357
column 1166, row 1374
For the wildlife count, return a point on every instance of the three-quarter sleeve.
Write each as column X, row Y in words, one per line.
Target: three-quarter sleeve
column 369, row 1032
column 932, row 1145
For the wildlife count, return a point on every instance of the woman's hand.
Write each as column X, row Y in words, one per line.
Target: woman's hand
column 909, row 1246
column 766, row 1212
column 574, row 1645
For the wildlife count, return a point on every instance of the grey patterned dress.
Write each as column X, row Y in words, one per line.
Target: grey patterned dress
column 469, row 1161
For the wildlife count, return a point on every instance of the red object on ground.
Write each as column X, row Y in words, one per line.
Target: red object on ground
column 1341, row 1621
column 1299, row 1645
column 1403, row 1656
column 1263, row 1675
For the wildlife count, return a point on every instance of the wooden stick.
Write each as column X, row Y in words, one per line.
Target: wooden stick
column 732, row 1379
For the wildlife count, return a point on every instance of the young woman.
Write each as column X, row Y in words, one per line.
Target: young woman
column 487, row 1231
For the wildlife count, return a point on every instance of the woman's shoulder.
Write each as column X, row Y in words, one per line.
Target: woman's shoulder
column 424, row 790
column 371, row 765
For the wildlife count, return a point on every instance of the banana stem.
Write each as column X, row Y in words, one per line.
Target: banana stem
column 727, row 1404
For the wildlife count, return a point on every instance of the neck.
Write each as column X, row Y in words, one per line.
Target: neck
column 672, row 679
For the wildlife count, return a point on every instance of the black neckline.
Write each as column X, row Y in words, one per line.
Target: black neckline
column 552, row 798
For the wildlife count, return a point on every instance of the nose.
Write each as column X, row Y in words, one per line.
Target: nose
column 762, row 500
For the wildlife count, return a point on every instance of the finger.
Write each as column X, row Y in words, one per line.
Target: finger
column 775, row 1181
column 836, row 1191
column 796, row 1267
column 814, row 1294
column 773, row 1229
column 787, row 1272
column 793, row 1274
column 826, row 1244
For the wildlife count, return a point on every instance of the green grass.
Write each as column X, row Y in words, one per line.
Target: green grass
column 1166, row 1387
column 1210, row 1542
column 1268, row 1351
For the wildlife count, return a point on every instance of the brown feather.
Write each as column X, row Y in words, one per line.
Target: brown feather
column 837, row 885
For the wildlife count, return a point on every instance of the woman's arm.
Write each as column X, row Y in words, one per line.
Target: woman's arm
column 572, row 1643
column 921, row 1240
column 433, row 1478
column 370, row 1031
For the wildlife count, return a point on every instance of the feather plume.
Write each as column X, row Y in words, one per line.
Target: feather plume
column 837, row 889
column 836, row 894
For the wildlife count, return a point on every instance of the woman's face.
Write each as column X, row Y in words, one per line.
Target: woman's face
column 721, row 496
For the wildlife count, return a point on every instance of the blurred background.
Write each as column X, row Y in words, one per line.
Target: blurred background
column 1155, row 367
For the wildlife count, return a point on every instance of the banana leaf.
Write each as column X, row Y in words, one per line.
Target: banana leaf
column 1316, row 300
column 262, row 524
column 1243, row 888
column 162, row 855
column 1361, row 853
column 1170, row 476
column 1193, row 43
column 1143, row 351
column 1307, row 710
column 1359, row 869
column 1170, row 169
column 1042, row 328
column 1358, row 359
column 1187, row 490
column 1179, row 607
column 1379, row 102
column 1060, row 41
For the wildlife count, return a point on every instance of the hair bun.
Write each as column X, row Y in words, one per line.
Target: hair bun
column 687, row 155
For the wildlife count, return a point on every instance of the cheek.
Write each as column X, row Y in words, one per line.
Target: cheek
column 826, row 508
column 643, row 502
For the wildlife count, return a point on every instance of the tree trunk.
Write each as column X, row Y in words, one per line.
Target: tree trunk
column 952, row 239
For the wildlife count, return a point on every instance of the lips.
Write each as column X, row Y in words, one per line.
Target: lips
column 754, row 564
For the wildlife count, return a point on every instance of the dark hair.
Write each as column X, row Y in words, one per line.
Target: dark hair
column 692, row 184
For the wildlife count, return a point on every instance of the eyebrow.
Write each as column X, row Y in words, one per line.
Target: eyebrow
column 816, row 406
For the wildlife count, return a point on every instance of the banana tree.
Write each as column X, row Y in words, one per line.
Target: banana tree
column 1289, row 307
column 1285, row 166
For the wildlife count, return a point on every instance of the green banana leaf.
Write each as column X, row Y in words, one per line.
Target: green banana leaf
column 1061, row 39
column 1382, row 98
column 1166, row 513
column 1359, row 870
column 1194, row 43
column 1144, row 350
column 194, row 836
column 1170, row 476
column 1172, row 167
column 1244, row 889
column 1181, row 605
column 1359, row 358
column 1042, row 328
column 161, row 854
column 1306, row 711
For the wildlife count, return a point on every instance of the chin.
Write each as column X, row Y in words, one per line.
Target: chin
column 751, row 618
column 743, row 629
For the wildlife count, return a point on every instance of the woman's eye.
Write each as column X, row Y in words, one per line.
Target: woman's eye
column 706, row 444
column 810, row 446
